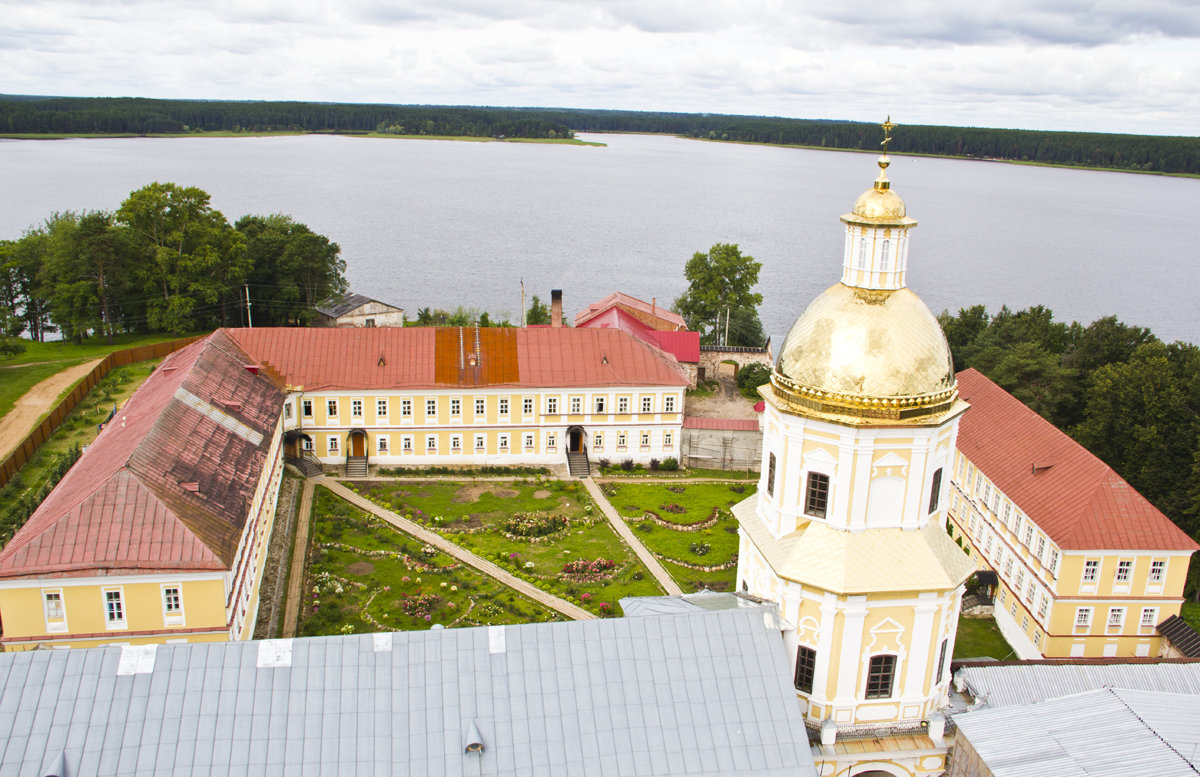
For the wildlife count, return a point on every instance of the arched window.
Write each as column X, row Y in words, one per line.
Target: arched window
column 771, row 475
column 883, row 256
column 935, row 490
column 862, row 253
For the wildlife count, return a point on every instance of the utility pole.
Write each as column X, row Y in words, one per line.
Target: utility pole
column 726, row 343
column 249, row 320
column 522, row 303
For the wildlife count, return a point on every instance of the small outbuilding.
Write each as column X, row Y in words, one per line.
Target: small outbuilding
column 355, row 310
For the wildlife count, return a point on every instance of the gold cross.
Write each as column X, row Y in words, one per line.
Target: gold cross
column 888, row 126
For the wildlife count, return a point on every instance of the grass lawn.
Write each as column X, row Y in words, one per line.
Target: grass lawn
column 80, row 427
column 1190, row 612
column 363, row 576
column 474, row 515
column 638, row 471
column 980, row 638
column 692, row 538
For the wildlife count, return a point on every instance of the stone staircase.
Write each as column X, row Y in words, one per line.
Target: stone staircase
column 578, row 465
column 307, row 466
column 356, row 467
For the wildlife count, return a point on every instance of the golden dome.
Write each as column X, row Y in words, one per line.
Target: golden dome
column 879, row 205
column 866, row 354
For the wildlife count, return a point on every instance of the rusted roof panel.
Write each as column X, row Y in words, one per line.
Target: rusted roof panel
column 726, row 424
column 469, row 356
column 1077, row 499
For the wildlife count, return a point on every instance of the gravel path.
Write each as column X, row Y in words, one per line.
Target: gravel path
column 624, row 532
column 17, row 423
column 291, row 613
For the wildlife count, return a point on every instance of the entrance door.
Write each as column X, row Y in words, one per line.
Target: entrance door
column 358, row 445
column 575, row 441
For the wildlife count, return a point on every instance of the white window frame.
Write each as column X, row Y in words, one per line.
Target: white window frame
column 431, row 443
column 480, row 442
column 576, row 405
column 306, row 408
column 456, row 443
column 1116, row 618
column 456, row 407
column 600, row 404
column 1151, row 621
column 383, row 445
column 504, row 407
column 530, row 440
column 56, row 622
column 551, row 441
column 1091, row 571
column 644, row 439
column 551, row 405
column 1158, row 571
column 503, row 443
column 111, row 623
column 1043, row 608
column 172, row 618
column 307, row 444
column 621, row 441
column 287, row 410
column 622, row 405
column 381, row 409
column 667, row 440
column 669, row 403
column 333, row 444
column 1041, row 547
column 406, row 443
column 527, row 406
column 647, row 404
column 1083, row 617
column 480, row 408
column 1124, row 573
column 406, row 408
column 331, row 408
column 430, row 407
column 597, row 441
column 1028, row 535
column 356, row 408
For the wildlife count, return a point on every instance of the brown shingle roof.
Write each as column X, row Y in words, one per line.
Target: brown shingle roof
column 426, row 357
column 1077, row 499
column 126, row 505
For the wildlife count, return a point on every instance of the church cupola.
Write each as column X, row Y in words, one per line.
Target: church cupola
column 876, row 252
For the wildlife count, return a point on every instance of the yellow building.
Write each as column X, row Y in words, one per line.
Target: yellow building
column 470, row 396
column 846, row 532
column 159, row 531
column 1086, row 566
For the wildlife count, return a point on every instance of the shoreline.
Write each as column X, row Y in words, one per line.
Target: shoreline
column 284, row 133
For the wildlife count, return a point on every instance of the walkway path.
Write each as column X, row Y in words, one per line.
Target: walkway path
column 17, row 423
column 291, row 613
column 467, row 557
column 625, row 533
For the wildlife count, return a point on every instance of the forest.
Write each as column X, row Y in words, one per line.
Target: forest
column 1128, row 397
column 164, row 261
column 127, row 115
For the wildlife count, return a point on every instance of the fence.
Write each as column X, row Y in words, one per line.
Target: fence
column 24, row 452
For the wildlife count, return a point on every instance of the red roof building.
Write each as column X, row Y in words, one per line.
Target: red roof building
column 650, row 314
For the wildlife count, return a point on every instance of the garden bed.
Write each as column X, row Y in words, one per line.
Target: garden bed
column 365, row 576
column 539, row 529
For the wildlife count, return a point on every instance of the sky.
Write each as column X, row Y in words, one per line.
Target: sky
column 1105, row 65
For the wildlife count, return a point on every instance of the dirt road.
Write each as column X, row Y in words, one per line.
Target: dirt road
column 35, row 403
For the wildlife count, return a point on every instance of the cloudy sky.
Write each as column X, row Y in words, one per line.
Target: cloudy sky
column 1106, row 65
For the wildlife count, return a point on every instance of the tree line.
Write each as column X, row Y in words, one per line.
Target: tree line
column 164, row 261
column 1128, row 397
column 103, row 115
column 141, row 116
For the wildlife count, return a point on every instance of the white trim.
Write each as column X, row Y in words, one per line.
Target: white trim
column 75, row 582
column 172, row 619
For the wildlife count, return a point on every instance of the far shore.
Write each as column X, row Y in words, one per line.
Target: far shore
column 282, row 133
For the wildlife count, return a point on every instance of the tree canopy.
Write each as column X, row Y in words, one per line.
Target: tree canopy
column 720, row 296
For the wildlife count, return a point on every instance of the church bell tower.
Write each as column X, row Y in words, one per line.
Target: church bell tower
column 846, row 532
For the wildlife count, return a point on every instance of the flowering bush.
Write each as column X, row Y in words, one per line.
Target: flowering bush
column 585, row 597
column 607, row 610
column 588, row 570
column 418, row 605
column 672, row 508
column 534, row 524
column 700, row 548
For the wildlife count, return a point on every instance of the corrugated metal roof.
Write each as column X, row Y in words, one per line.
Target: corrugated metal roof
column 346, row 303
column 730, row 424
column 700, row 694
column 1077, row 499
column 1181, row 635
column 682, row 344
column 1007, row 684
column 1101, row 733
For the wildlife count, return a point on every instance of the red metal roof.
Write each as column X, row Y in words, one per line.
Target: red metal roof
column 126, row 505
column 426, row 357
column 723, row 424
column 683, row 345
column 1077, row 499
column 669, row 318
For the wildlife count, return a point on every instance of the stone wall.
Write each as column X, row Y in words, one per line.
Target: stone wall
column 722, row 449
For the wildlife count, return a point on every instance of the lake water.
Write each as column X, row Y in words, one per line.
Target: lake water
column 442, row 224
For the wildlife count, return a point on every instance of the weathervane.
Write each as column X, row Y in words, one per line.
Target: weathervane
column 888, row 126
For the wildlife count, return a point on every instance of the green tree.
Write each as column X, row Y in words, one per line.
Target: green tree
column 86, row 272
column 720, row 282
column 539, row 313
column 292, row 269
column 962, row 331
column 1031, row 374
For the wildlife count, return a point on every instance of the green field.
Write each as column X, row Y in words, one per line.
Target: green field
column 980, row 638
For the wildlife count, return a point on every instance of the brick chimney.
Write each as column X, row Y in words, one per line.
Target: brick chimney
column 556, row 307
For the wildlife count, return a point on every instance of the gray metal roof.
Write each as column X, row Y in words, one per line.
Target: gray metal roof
column 697, row 694
column 706, row 600
column 341, row 305
column 1101, row 733
column 1023, row 683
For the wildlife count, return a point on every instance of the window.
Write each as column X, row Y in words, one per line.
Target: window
column 551, row 440
column 430, row 407
column 529, row 441
column 504, row 406
column 1041, row 547
column 287, row 410
column 480, row 406
column 880, row 674
column 620, row 441
column 552, row 405
column 356, row 408
column 406, row 443
column 455, row 406
column 645, row 439
column 306, row 408
column 1028, row 535
column 576, row 405
column 1007, row 510
column 1149, row 617
column 598, row 441
column 331, row 408
column 1054, row 561
column 1043, row 608
column 1091, row 571
column 1020, row 579
column 504, row 442
column 406, row 408
column 332, row 444
column 1008, row 564
column 527, row 406
column 479, row 442
column 54, row 605
column 308, row 444
column 987, row 493
column 599, row 404
column 667, row 439
column 937, row 678
column 431, row 443
column 172, row 601
column 622, row 404
column 1116, row 617
column 988, row 548
column 816, row 496
column 935, row 490
column 883, row 256
column 647, row 404
column 381, row 443
column 1030, row 591
column 1124, row 571
column 456, row 443
column 381, row 408
column 669, row 404
column 806, row 665
column 114, row 609
column 771, row 474
column 1083, row 617
column 1024, row 623
column 370, row 322
column 1157, row 571
column 862, row 254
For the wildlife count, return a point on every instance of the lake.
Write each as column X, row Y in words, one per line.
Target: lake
column 442, row 224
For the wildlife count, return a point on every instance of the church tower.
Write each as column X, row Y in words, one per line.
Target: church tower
column 847, row 530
